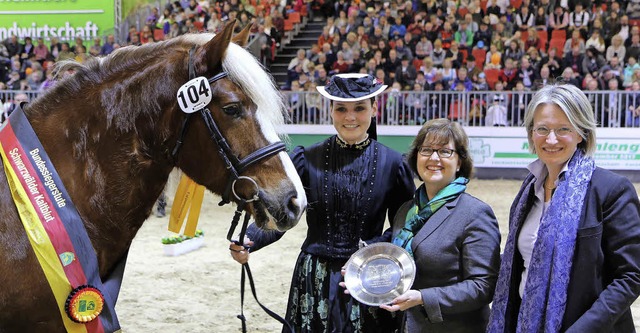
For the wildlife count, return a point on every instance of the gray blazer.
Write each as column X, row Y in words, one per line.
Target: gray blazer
column 457, row 254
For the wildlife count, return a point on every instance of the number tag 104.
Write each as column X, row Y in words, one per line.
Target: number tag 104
column 194, row 95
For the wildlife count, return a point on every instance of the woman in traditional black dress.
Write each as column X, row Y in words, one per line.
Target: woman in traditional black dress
column 353, row 183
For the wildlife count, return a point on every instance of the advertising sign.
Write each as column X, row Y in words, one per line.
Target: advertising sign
column 64, row 19
column 497, row 147
column 513, row 152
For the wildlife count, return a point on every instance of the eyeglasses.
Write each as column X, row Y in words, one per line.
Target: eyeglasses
column 559, row 132
column 442, row 152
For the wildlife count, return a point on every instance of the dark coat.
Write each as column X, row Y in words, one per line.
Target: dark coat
column 457, row 254
column 605, row 274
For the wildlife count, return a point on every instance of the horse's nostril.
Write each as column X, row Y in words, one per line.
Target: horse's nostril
column 293, row 209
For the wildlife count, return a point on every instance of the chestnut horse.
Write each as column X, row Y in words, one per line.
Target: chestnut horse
column 111, row 129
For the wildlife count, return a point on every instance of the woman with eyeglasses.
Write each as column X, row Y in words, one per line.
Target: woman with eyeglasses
column 452, row 236
column 572, row 258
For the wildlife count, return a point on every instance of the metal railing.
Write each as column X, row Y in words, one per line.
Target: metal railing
column 482, row 108
column 477, row 108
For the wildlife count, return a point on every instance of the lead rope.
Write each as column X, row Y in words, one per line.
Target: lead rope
column 246, row 271
column 245, row 268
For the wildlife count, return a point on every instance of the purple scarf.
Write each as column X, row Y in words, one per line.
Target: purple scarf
column 545, row 292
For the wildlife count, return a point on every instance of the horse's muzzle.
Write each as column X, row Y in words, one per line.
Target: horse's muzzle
column 284, row 210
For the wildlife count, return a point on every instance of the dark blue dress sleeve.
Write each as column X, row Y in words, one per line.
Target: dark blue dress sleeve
column 261, row 237
column 403, row 190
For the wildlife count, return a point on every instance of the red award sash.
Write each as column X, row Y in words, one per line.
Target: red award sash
column 55, row 231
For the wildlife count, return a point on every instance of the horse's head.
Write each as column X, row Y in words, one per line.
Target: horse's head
column 236, row 133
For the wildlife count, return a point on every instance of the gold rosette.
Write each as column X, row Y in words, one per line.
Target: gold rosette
column 84, row 304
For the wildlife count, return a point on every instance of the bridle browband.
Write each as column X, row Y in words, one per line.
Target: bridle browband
column 235, row 166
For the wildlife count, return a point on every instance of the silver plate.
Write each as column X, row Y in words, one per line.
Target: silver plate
column 378, row 273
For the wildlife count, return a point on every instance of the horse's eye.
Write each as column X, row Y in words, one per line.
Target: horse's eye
column 232, row 109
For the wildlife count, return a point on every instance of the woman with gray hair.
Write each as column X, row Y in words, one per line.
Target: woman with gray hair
column 571, row 261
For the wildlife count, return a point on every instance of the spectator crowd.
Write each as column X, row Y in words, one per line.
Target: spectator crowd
column 514, row 46
column 412, row 46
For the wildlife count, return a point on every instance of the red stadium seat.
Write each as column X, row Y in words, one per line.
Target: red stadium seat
column 465, row 54
column 483, row 5
column 542, row 40
column 557, row 43
column 542, row 35
column 558, row 34
column 516, row 3
column 524, row 35
column 480, row 55
column 493, row 75
column 288, row 25
column 295, row 17
column 158, row 35
column 462, row 11
column 199, row 25
column 417, row 63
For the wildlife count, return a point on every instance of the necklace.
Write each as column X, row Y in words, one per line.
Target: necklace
column 548, row 190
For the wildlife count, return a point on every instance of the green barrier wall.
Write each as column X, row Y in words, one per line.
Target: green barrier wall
column 66, row 20
column 398, row 143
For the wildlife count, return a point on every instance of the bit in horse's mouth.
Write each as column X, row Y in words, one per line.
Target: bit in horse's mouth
column 263, row 219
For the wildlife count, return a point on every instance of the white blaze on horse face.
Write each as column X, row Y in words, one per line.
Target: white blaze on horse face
column 301, row 198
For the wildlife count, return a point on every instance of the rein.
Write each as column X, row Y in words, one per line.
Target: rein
column 235, row 166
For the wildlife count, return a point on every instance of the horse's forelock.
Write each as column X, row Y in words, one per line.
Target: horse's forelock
column 248, row 73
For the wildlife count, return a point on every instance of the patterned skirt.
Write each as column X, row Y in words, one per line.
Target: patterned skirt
column 318, row 304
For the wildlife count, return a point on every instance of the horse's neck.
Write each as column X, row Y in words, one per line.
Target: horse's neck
column 111, row 176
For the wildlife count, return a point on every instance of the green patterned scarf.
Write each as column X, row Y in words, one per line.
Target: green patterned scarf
column 423, row 208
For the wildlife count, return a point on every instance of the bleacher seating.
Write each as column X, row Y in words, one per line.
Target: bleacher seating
column 297, row 16
column 557, row 43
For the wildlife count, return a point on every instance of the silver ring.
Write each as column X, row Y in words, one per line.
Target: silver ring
column 233, row 189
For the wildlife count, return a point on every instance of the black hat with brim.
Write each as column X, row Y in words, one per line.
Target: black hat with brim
column 351, row 87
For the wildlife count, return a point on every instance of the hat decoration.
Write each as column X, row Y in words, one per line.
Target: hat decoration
column 351, row 87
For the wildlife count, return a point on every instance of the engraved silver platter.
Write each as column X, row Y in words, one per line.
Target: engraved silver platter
column 378, row 273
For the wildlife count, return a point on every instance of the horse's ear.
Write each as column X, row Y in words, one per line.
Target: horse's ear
column 242, row 37
column 212, row 52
